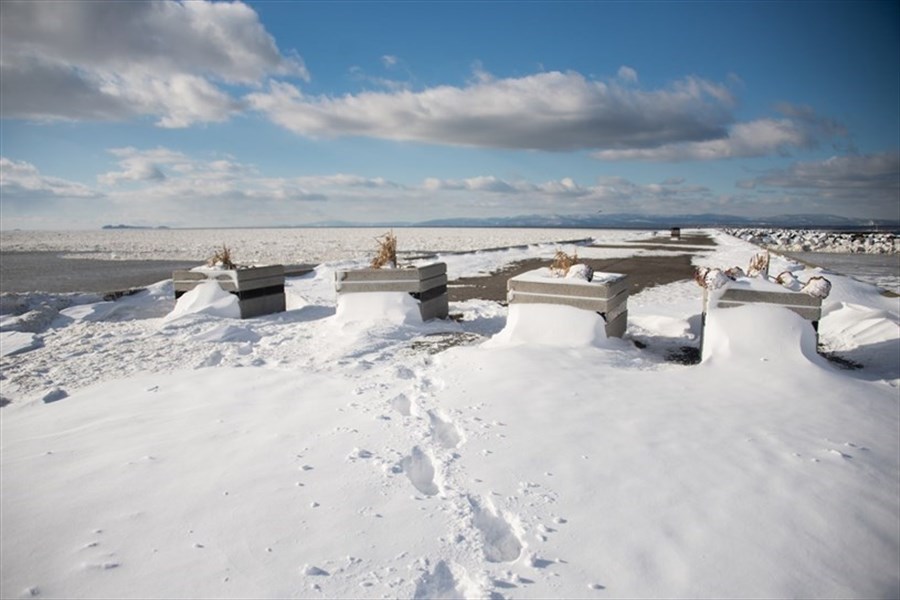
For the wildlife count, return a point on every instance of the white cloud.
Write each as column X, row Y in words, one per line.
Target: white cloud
column 839, row 174
column 547, row 111
column 754, row 138
column 144, row 165
column 395, row 85
column 20, row 179
column 627, row 74
column 389, row 60
column 164, row 186
column 346, row 180
column 490, row 184
column 115, row 60
column 855, row 185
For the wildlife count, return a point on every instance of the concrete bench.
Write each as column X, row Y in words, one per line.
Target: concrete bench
column 739, row 294
column 758, row 291
column 260, row 290
column 427, row 284
column 606, row 294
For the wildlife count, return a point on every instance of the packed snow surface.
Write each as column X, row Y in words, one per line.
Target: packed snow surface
column 344, row 450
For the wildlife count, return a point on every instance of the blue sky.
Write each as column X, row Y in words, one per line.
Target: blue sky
column 287, row 113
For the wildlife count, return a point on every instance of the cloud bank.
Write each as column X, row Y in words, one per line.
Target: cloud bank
column 120, row 60
column 160, row 186
column 871, row 172
column 551, row 111
column 20, row 180
column 184, row 63
column 868, row 182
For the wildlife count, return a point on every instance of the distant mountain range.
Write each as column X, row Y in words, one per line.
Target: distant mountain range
column 120, row 226
column 637, row 221
column 614, row 221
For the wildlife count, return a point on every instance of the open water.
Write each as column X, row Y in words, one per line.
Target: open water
column 50, row 272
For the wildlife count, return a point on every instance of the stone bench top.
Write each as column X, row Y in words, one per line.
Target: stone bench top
column 546, row 275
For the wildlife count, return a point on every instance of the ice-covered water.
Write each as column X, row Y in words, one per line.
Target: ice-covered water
column 284, row 246
column 121, row 255
column 882, row 270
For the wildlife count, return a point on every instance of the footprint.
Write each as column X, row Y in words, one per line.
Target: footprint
column 444, row 432
column 420, row 471
column 401, row 404
column 500, row 543
column 440, row 583
column 213, row 360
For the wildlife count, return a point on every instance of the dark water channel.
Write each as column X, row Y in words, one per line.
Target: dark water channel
column 49, row 272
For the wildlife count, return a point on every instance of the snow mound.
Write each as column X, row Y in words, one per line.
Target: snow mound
column 395, row 307
column 853, row 325
column 758, row 332
column 16, row 342
column 551, row 325
column 97, row 311
column 228, row 333
column 152, row 302
column 208, row 299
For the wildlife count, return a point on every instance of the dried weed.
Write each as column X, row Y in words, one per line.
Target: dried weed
column 387, row 251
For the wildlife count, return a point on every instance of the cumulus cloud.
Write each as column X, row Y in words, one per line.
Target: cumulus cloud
column 346, row 180
column 115, row 60
column 871, row 172
column 488, row 183
column 546, row 111
column 165, row 174
column 839, row 185
column 139, row 165
column 754, row 138
column 800, row 128
column 163, row 186
column 627, row 74
column 20, row 179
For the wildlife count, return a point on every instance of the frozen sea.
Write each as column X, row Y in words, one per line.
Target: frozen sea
column 113, row 260
column 882, row 270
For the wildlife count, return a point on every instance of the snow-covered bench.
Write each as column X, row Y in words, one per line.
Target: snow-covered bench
column 260, row 290
column 427, row 284
column 606, row 294
column 758, row 291
column 753, row 290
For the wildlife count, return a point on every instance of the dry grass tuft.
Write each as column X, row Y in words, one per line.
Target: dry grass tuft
column 562, row 262
column 222, row 258
column 759, row 265
column 387, row 251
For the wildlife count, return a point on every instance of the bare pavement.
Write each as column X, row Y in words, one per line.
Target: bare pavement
column 50, row 272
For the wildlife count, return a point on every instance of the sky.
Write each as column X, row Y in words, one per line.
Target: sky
column 215, row 114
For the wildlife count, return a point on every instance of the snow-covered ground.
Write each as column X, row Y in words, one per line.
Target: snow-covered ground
column 353, row 451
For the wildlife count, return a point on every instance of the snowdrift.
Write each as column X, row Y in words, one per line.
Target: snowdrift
column 355, row 452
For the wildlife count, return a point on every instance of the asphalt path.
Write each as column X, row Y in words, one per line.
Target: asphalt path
column 642, row 271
